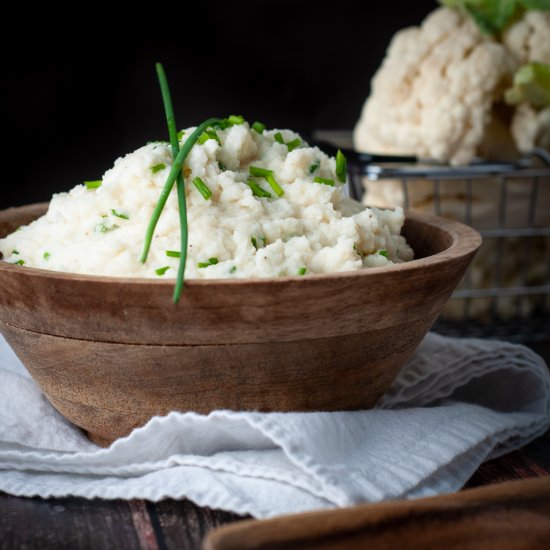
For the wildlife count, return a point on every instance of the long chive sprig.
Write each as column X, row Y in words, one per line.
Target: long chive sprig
column 180, row 156
column 180, row 182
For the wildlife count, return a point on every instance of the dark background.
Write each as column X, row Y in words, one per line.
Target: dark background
column 79, row 89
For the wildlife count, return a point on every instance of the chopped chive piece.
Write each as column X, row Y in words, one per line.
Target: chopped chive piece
column 173, row 253
column 104, row 228
column 19, row 262
column 222, row 167
column 235, row 119
column 294, row 144
column 15, row 251
column 162, row 270
column 324, row 181
column 203, row 138
column 158, row 167
column 233, row 269
column 208, row 134
column 93, row 184
column 383, row 252
column 211, row 261
column 46, row 255
column 259, row 172
column 212, row 133
column 202, row 188
column 302, row 271
column 341, row 166
column 274, row 185
column 119, row 214
column 258, row 242
column 257, row 190
column 180, row 134
column 314, row 166
column 279, row 138
column 258, row 127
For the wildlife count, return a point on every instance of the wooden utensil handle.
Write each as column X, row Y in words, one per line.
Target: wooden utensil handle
column 506, row 516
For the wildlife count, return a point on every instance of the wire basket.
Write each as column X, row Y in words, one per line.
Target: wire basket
column 506, row 291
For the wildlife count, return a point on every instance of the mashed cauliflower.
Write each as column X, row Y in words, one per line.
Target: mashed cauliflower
column 311, row 228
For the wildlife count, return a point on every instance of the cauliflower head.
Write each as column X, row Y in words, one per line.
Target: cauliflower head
column 438, row 93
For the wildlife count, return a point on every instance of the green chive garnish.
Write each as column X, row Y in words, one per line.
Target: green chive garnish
column 104, row 228
column 158, row 167
column 302, row 271
column 202, row 188
column 260, row 172
column 93, row 184
column 257, row 190
column 15, row 251
column 314, row 166
column 233, row 269
column 221, row 166
column 383, row 252
column 19, row 262
column 257, row 242
column 341, row 166
column 324, row 181
column 258, row 127
column 46, row 255
column 293, row 144
column 162, row 270
column 274, row 185
column 235, row 119
column 211, row 261
column 180, row 155
column 208, row 134
column 180, row 134
column 173, row 253
column 268, row 175
column 119, row 214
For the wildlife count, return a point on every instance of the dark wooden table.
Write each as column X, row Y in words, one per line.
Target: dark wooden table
column 78, row 523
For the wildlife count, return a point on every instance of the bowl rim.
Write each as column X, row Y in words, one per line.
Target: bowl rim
column 465, row 240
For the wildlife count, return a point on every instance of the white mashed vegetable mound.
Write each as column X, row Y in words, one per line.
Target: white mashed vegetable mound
column 312, row 225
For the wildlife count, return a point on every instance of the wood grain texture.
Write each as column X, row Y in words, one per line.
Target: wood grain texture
column 507, row 516
column 109, row 353
column 81, row 524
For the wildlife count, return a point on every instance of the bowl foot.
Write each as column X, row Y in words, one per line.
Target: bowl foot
column 98, row 440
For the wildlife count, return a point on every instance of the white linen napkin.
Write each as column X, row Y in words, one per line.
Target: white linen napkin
column 456, row 404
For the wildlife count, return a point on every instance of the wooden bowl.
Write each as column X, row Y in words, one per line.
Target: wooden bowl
column 109, row 353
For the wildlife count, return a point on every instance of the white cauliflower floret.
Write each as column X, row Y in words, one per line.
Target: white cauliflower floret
column 529, row 38
column 531, row 128
column 433, row 95
column 439, row 91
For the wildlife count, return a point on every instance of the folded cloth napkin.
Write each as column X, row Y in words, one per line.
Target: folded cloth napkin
column 456, row 404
